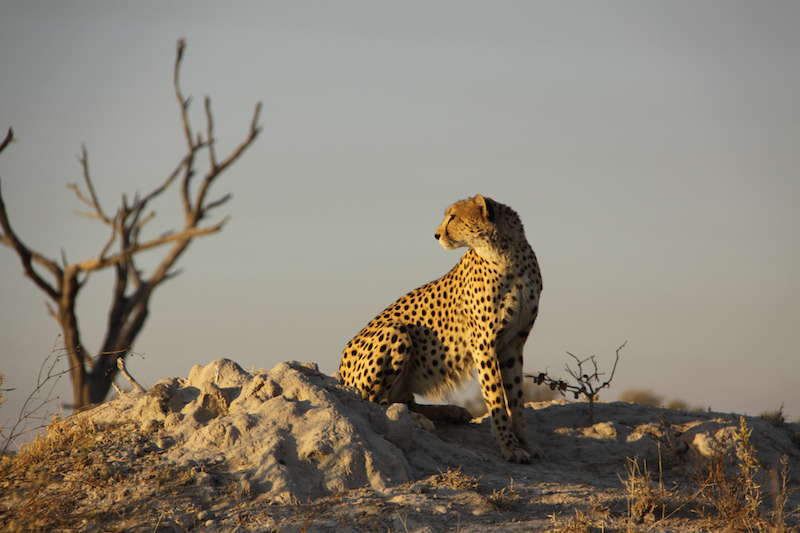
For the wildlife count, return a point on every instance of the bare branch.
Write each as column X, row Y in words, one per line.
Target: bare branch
column 185, row 194
column 106, row 248
column 37, row 402
column 173, row 274
column 184, row 103
column 256, row 115
column 27, row 256
column 86, row 214
column 121, row 366
column 187, row 131
column 74, row 188
column 94, row 202
column 212, row 156
column 255, row 129
column 187, row 235
column 217, row 203
column 150, row 216
column 168, row 181
column 8, row 140
column 52, row 312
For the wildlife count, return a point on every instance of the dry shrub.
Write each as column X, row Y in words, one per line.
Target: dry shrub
column 580, row 523
column 453, row 479
column 777, row 417
column 504, row 498
column 646, row 498
column 42, row 483
column 732, row 482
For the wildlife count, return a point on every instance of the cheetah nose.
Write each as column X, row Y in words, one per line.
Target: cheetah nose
column 437, row 236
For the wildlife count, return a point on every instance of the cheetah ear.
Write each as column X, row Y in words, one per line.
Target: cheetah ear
column 487, row 209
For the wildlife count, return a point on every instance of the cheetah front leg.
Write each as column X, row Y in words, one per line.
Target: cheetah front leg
column 510, row 361
column 490, row 376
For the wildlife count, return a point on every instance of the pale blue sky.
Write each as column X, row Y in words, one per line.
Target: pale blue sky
column 651, row 149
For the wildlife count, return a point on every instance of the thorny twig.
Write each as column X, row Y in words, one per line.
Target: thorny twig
column 586, row 383
column 45, row 379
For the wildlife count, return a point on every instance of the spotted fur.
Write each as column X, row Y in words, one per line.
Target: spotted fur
column 478, row 316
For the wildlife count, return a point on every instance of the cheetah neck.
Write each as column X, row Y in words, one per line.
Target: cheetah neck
column 505, row 253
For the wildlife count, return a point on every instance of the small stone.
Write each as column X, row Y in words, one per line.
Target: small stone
column 419, row 488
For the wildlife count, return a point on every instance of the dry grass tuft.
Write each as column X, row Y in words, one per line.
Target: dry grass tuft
column 504, row 498
column 453, row 479
column 777, row 417
column 732, row 483
column 43, row 481
column 646, row 498
column 580, row 523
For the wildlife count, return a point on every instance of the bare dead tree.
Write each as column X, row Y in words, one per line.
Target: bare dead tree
column 92, row 377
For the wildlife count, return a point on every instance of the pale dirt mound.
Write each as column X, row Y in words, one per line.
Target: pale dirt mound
column 293, row 435
column 292, row 432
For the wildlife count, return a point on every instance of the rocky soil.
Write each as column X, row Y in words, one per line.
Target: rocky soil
column 293, row 450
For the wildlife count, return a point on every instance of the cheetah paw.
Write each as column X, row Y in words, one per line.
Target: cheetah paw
column 534, row 451
column 515, row 454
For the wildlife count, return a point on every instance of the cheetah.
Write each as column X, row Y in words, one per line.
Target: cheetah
column 478, row 316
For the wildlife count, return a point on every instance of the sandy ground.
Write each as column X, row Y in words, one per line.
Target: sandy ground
column 293, row 450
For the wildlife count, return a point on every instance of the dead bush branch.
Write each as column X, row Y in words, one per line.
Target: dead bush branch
column 586, row 384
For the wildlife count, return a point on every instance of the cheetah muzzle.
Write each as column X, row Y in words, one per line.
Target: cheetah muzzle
column 478, row 316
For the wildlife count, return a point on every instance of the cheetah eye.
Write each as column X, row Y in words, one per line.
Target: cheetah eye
column 452, row 218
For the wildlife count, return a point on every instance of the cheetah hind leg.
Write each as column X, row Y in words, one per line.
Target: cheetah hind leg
column 442, row 413
column 421, row 415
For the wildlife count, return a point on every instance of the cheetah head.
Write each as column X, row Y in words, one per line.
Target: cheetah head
column 470, row 222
